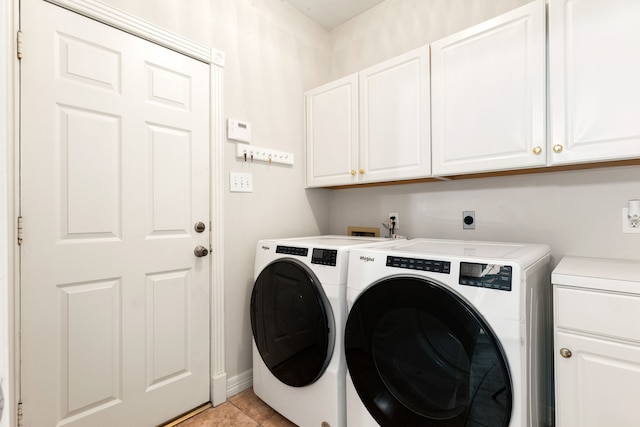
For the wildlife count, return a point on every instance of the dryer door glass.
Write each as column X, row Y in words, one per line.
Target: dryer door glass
column 420, row 355
column 292, row 322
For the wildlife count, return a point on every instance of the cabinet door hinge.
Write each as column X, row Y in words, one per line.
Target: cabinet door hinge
column 19, row 230
column 20, row 414
column 19, row 44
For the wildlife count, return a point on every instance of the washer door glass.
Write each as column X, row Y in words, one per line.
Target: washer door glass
column 419, row 355
column 292, row 322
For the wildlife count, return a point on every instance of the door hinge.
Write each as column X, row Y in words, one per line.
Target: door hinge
column 19, row 230
column 20, row 414
column 19, row 44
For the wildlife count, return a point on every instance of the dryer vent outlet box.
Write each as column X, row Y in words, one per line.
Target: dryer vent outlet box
column 468, row 220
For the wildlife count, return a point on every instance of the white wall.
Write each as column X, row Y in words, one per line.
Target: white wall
column 273, row 54
column 190, row 19
column 576, row 213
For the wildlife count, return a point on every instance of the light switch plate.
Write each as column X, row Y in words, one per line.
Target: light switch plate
column 240, row 182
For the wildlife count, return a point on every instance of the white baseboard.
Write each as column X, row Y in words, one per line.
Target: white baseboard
column 239, row 382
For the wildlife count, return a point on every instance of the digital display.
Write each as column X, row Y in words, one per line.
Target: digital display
column 242, row 125
column 470, row 270
column 490, row 276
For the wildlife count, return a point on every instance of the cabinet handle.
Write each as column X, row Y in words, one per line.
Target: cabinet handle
column 557, row 148
column 565, row 352
column 537, row 150
column 353, row 172
column 361, row 171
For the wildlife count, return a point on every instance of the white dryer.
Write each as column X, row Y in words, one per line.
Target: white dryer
column 449, row 333
column 298, row 311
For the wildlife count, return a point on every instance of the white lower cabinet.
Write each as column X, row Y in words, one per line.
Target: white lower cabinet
column 599, row 384
column 597, row 342
column 488, row 95
column 594, row 64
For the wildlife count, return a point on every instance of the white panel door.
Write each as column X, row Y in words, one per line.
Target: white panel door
column 332, row 133
column 488, row 93
column 114, row 174
column 394, row 119
column 598, row 384
column 593, row 77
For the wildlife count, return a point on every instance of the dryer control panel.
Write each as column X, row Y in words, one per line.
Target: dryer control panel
column 490, row 276
column 292, row 250
column 419, row 264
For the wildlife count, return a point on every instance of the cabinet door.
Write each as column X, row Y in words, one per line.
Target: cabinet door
column 332, row 133
column 598, row 385
column 488, row 93
column 394, row 119
column 594, row 84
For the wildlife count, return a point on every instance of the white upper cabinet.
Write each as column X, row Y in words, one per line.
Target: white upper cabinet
column 594, row 73
column 332, row 133
column 488, row 95
column 372, row 126
column 394, row 119
column 483, row 103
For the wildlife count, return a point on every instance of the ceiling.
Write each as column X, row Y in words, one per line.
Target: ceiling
column 331, row 13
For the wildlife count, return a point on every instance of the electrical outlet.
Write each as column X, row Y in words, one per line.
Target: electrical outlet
column 468, row 220
column 397, row 219
column 626, row 224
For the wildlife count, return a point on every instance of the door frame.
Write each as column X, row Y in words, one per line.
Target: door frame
column 10, row 303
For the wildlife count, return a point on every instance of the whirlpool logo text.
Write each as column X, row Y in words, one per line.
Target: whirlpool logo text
column 367, row 258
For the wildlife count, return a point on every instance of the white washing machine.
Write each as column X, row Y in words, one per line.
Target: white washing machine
column 298, row 311
column 449, row 333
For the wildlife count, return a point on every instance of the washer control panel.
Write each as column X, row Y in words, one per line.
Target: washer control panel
column 490, row 276
column 324, row 256
column 292, row 250
column 419, row 264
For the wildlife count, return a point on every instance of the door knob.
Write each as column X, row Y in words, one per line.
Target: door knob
column 200, row 251
column 199, row 227
column 565, row 352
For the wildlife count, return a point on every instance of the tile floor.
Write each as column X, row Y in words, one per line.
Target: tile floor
column 244, row 409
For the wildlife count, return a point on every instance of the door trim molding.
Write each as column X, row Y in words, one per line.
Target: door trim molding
column 9, row 204
column 123, row 21
column 217, row 135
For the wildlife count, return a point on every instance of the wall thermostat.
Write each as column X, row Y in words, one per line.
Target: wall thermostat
column 238, row 130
